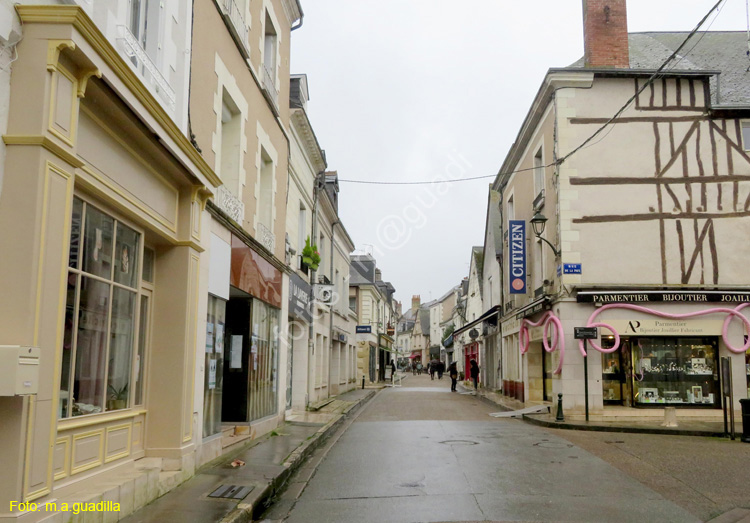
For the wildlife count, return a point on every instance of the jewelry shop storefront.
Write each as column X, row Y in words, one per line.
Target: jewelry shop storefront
column 665, row 348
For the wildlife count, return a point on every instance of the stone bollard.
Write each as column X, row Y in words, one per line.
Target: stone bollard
column 670, row 417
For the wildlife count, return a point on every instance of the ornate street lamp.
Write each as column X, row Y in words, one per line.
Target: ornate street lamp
column 537, row 223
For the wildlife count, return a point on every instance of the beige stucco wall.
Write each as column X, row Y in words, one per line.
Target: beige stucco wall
column 641, row 223
column 58, row 147
column 215, row 50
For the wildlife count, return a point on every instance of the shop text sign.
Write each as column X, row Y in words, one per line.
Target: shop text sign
column 664, row 296
column 665, row 327
column 517, row 254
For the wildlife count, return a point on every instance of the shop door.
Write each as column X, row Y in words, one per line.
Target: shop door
column 613, row 375
column 372, row 363
column 289, row 362
column 236, row 363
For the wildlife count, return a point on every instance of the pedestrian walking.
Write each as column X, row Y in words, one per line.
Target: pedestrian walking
column 440, row 369
column 393, row 371
column 413, row 368
column 433, row 369
column 419, row 369
column 474, row 371
column 453, row 373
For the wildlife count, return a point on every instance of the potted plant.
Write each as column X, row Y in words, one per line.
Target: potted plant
column 310, row 255
column 118, row 398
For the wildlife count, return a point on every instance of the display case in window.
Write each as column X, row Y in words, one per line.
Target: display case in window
column 612, row 374
column 675, row 371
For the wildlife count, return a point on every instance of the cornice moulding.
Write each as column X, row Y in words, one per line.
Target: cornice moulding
column 76, row 17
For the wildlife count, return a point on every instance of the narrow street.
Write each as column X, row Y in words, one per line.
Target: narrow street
column 422, row 453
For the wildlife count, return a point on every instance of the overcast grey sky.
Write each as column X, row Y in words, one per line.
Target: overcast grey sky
column 412, row 90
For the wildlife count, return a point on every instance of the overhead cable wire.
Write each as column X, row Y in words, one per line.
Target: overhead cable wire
column 643, row 87
column 585, row 143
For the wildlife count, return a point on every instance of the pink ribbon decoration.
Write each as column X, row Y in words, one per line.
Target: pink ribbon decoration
column 557, row 336
column 731, row 313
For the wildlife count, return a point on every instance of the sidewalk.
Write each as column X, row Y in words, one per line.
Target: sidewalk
column 652, row 425
column 268, row 464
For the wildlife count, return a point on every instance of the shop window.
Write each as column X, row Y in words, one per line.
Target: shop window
column 100, row 316
column 264, row 353
column 214, row 365
column 674, row 371
column 148, row 265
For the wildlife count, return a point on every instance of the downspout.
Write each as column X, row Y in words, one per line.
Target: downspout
column 313, row 274
column 301, row 18
column 330, row 312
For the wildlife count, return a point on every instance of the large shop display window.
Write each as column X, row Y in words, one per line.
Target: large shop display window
column 681, row 371
column 102, row 351
column 264, row 353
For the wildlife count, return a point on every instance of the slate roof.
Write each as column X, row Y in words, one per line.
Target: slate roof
column 724, row 51
column 424, row 320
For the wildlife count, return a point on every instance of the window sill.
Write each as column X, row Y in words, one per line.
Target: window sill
column 97, row 419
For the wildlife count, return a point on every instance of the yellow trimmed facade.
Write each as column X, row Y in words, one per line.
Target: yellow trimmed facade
column 101, row 190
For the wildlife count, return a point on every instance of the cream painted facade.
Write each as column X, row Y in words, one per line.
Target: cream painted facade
column 367, row 298
column 241, row 124
column 334, row 353
column 619, row 232
column 307, row 160
column 102, row 223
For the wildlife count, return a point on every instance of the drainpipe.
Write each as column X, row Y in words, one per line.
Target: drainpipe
column 301, row 18
column 330, row 312
column 313, row 274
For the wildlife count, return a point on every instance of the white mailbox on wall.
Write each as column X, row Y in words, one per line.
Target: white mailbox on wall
column 19, row 370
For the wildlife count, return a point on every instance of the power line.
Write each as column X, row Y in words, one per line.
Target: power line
column 643, row 88
column 654, row 76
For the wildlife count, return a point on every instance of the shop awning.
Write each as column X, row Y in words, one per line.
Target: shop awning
column 532, row 308
column 493, row 311
column 415, row 355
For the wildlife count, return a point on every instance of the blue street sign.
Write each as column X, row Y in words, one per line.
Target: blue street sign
column 572, row 268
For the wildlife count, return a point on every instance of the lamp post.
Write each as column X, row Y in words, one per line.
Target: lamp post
column 538, row 223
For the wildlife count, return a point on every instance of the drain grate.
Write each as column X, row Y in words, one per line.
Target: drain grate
column 230, row 492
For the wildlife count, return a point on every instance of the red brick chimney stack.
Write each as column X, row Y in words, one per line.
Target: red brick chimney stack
column 605, row 33
column 415, row 301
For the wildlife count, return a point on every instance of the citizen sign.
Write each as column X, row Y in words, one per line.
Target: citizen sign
column 517, row 256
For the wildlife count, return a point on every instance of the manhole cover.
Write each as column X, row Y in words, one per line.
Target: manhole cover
column 459, row 442
column 553, row 445
column 231, row 492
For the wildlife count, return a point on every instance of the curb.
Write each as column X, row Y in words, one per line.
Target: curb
column 530, row 418
column 259, row 496
column 632, row 430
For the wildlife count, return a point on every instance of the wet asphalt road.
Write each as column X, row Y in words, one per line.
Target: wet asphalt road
column 421, row 453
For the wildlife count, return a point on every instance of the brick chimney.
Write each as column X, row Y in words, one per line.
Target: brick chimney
column 605, row 33
column 416, row 301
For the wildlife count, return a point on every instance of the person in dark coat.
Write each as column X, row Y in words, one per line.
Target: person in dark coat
column 393, row 370
column 453, row 373
column 474, row 371
column 440, row 369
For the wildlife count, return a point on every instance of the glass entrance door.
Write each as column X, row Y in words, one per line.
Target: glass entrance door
column 612, row 374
